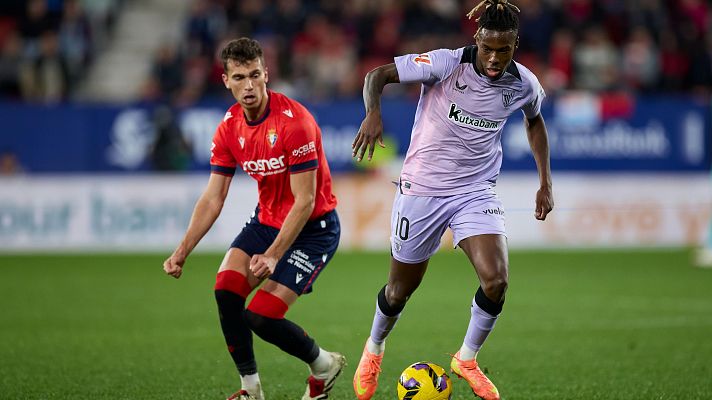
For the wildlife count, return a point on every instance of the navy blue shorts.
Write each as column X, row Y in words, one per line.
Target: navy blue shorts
column 305, row 259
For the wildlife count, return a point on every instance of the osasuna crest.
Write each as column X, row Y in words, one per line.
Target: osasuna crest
column 272, row 137
column 507, row 97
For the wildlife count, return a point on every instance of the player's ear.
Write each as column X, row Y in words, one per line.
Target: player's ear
column 266, row 75
column 516, row 43
column 224, row 78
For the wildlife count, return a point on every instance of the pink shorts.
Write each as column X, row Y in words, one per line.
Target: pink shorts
column 419, row 222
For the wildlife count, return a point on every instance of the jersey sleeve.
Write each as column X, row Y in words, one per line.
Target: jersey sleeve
column 300, row 144
column 221, row 159
column 533, row 107
column 432, row 66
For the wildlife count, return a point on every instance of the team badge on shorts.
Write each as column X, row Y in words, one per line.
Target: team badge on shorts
column 507, row 97
column 272, row 137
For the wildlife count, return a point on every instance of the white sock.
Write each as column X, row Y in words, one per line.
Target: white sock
column 251, row 383
column 467, row 353
column 375, row 348
column 320, row 367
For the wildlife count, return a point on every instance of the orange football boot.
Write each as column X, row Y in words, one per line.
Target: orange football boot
column 469, row 371
column 366, row 377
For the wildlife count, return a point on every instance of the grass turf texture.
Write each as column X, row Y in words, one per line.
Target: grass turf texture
column 576, row 325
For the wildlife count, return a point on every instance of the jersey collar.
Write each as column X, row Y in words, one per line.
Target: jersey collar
column 264, row 115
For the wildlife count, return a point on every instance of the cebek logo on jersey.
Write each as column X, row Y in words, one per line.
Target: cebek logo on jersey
column 422, row 59
column 304, row 150
column 272, row 137
column 242, row 142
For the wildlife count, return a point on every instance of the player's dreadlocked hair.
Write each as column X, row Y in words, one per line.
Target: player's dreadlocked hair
column 499, row 15
column 242, row 51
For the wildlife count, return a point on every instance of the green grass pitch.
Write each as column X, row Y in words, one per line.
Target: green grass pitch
column 576, row 325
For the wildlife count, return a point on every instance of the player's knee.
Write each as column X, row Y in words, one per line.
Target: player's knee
column 254, row 321
column 495, row 287
column 232, row 281
column 396, row 295
column 267, row 305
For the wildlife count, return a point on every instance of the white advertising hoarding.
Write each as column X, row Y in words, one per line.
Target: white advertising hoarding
column 151, row 212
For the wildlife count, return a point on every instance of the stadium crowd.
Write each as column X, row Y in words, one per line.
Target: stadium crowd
column 47, row 45
column 322, row 49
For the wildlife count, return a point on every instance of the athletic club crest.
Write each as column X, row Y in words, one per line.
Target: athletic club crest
column 272, row 137
column 507, row 97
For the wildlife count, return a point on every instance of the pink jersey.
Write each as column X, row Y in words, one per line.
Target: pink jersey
column 455, row 143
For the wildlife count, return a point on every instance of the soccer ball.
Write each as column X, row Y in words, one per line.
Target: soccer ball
column 424, row 381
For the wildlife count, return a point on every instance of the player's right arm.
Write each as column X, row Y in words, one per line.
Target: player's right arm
column 206, row 211
column 371, row 130
column 426, row 68
column 210, row 203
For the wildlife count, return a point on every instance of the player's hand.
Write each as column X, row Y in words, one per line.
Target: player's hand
column 262, row 265
column 173, row 266
column 544, row 202
column 370, row 133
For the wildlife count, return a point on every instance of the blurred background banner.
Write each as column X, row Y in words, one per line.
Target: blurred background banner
column 587, row 133
column 150, row 212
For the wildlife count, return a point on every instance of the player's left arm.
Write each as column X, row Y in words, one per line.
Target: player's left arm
column 539, row 143
column 304, row 191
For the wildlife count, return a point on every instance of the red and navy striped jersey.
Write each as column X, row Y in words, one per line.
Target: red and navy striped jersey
column 284, row 140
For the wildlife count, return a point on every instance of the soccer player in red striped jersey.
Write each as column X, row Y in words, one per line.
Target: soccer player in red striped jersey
column 292, row 234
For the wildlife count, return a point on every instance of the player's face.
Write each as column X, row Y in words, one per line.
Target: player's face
column 247, row 82
column 495, row 50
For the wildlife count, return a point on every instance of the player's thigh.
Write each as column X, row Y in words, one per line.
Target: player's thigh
column 286, row 294
column 308, row 256
column 417, row 226
column 254, row 238
column 488, row 254
column 479, row 229
column 237, row 260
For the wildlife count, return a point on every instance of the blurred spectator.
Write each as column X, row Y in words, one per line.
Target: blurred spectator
column 44, row 79
column 537, row 20
column 596, row 61
column 674, row 63
column 75, row 39
column 10, row 65
column 34, row 23
column 701, row 68
column 641, row 65
column 559, row 75
column 167, row 70
column 170, row 151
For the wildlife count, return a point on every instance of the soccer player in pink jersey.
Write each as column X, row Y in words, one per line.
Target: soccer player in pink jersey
column 449, row 175
column 292, row 235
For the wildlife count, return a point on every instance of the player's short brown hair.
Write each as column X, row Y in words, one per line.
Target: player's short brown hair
column 241, row 51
